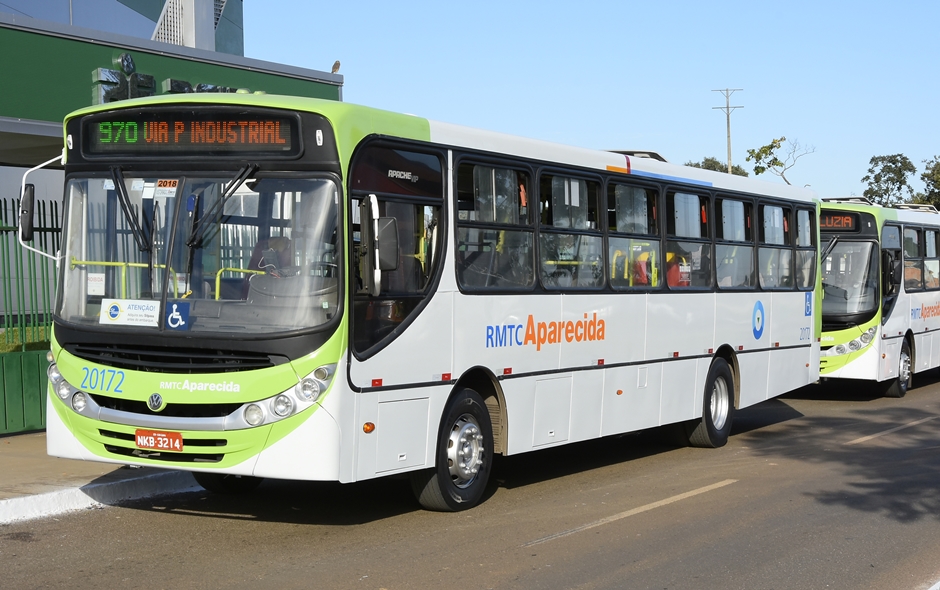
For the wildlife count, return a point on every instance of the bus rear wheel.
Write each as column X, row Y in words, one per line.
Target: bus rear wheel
column 224, row 483
column 898, row 387
column 713, row 428
column 464, row 457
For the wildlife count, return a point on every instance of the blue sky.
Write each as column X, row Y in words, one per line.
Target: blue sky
column 851, row 79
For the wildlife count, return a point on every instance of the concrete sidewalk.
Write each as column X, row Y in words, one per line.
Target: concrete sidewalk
column 35, row 485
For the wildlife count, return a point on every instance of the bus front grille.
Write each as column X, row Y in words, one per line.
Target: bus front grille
column 172, row 360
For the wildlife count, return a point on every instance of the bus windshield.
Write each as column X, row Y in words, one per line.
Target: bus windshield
column 850, row 279
column 215, row 253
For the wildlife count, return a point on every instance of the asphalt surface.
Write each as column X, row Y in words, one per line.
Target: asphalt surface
column 35, row 485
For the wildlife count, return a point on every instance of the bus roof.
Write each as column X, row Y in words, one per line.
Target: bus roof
column 354, row 122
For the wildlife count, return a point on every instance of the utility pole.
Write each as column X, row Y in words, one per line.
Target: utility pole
column 727, row 109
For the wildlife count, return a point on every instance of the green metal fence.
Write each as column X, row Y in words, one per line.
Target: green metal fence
column 27, row 286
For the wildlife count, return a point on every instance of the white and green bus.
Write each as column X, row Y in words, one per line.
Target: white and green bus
column 881, row 292
column 262, row 286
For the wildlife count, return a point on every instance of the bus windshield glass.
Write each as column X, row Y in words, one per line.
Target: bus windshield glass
column 221, row 253
column 850, row 279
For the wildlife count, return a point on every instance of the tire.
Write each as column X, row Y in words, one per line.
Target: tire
column 223, row 483
column 713, row 428
column 464, row 457
column 898, row 387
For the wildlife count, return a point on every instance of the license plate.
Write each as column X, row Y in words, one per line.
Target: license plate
column 158, row 440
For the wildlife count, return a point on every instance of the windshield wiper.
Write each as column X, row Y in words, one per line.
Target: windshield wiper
column 201, row 224
column 129, row 214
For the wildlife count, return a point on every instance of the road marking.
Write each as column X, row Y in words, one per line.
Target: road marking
column 632, row 512
column 889, row 431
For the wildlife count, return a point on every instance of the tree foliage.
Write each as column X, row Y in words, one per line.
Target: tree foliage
column 887, row 180
column 718, row 166
column 931, row 178
column 765, row 158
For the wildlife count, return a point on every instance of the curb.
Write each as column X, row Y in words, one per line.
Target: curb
column 94, row 495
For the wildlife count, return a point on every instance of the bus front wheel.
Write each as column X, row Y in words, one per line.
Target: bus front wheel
column 464, row 457
column 224, row 483
column 713, row 428
column 898, row 387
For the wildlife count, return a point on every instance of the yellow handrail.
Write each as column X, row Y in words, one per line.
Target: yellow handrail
column 124, row 266
column 218, row 278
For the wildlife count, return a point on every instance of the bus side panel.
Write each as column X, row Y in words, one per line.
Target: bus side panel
column 679, row 323
column 680, row 390
column 631, row 398
column 736, row 326
column 492, row 332
column 788, row 370
column 587, row 404
column 754, row 368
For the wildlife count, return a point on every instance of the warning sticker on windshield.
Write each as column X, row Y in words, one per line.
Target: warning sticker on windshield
column 129, row 312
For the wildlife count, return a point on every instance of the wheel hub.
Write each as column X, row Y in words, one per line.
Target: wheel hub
column 464, row 451
column 720, row 403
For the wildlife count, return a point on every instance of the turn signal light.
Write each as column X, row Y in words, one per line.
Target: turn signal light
column 368, row 427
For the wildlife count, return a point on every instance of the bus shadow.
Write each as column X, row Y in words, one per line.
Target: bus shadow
column 881, row 459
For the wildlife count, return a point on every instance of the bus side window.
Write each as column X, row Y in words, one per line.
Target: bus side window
column 634, row 261
column 913, row 261
column 775, row 256
column 495, row 240
column 689, row 261
column 932, row 261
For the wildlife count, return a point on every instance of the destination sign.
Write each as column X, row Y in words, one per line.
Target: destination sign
column 191, row 133
column 836, row 221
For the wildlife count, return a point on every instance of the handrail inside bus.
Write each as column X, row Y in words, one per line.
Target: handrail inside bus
column 123, row 265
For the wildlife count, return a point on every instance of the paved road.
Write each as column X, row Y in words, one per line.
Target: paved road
column 824, row 488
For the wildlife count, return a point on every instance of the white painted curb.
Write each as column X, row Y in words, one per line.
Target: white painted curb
column 92, row 495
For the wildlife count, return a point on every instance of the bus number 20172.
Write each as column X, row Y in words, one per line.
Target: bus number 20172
column 805, row 334
column 102, row 379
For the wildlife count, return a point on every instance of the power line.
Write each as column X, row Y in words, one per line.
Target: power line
column 727, row 109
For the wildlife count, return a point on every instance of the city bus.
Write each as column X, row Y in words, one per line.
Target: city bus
column 881, row 292
column 276, row 287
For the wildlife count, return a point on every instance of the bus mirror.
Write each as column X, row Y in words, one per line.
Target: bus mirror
column 379, row 243
column 387, row 243
column 26, row 213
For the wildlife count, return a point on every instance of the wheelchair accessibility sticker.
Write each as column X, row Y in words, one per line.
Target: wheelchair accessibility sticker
column 177, row 316
column 757, row 320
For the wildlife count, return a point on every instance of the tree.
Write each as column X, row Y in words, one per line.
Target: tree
column 931, row 178
column 887, row 180
column 766, row 160
column 717, row 166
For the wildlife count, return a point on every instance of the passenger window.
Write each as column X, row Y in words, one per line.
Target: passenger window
column 571, row 254
column 688, row 262
column 495, row 239
column 931, row 262
column 805, row 255
column 775, row 263
column 913, row 261
column 734, row 262
column 633, row 247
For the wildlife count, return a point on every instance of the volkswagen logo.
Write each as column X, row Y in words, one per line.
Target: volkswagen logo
column 155, row 402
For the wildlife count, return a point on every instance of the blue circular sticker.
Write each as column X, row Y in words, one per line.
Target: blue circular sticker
column 114, row 310
column 757, row 320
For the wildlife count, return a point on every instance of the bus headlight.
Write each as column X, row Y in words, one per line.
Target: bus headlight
column 63, row 389
column 79, row 401
column 54, row 374
column 254, row 415
column 867, row 336
column 840, row 349
column 282, row 405
column 854, row 345
column 308, row 390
